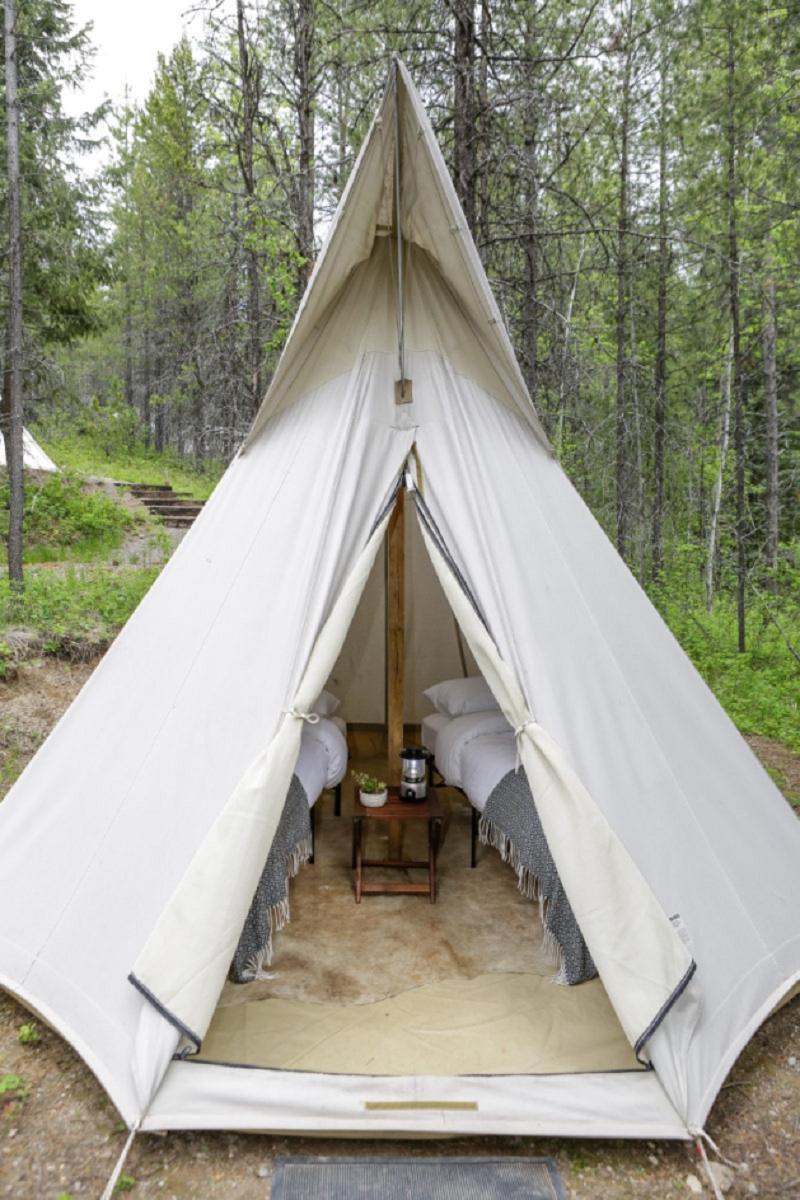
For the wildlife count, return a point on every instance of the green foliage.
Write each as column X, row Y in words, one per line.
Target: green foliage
column 108, row 441
column 368, row 783
column 28, row 1034
column 760, row 689
column 125, row 1183
column 14, row 1087
column 63, row 253
column 10, row 768
column 75, row 603
column 6, row 661
column 63, row 519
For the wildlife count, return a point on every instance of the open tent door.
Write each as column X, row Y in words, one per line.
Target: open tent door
column 434, row 646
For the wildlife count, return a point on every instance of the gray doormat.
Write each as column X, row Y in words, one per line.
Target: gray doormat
column 310, row 1178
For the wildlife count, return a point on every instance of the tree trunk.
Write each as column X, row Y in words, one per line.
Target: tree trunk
column 738, row 372
column 716, row 495
column 660, row 381
column 769, row 340
column 248, row 69
column 622, row 473
column 303, row 54
column 562, row 381
column 483, row 124
column 530, row 189
column 633, row 391
column 464, row 107
column 12, row 377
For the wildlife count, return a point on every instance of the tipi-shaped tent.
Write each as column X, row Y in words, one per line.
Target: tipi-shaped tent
column 34, row 458
column 133, row 842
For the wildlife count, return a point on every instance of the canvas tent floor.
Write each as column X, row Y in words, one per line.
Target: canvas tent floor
column 397, row 985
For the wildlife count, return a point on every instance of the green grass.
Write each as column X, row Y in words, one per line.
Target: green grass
column 144, row 466
column 91, row 603
column 107, row 442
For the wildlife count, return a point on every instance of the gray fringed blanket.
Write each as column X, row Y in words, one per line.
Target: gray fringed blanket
column 269, row 911
column 511, row 824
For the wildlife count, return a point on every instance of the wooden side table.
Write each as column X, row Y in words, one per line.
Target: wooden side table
column 395, row 809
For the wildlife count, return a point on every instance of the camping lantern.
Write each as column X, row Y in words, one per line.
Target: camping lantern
column 413, row 785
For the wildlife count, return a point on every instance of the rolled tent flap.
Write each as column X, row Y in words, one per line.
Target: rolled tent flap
column 182, row 967
column 643, row 962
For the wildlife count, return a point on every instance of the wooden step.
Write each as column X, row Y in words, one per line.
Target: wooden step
column 175, row 510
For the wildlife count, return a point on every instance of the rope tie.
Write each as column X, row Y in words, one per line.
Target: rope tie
column 312, row 718
column 700, row 1136
column 518, row 732
column 115, row 1174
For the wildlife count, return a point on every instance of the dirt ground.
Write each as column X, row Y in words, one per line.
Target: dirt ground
column 61, row 1134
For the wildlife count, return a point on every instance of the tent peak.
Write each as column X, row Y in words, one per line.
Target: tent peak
column 423, row 209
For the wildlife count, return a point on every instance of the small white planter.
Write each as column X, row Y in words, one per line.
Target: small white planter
column 373, row 799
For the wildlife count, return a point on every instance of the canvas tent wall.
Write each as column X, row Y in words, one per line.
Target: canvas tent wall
column 34, row 457
column 133, row 841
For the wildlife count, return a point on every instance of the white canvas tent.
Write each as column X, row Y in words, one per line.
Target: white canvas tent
column 34, row 457
column 133, row 842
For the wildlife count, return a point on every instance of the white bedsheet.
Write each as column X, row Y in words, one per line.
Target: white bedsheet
column 484, row 762
column 431, row 725
column 322, row 761
column 457, row 734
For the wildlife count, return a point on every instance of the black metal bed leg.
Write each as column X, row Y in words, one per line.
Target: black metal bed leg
column 313, row 818
column 337, row 800
column 473, row 857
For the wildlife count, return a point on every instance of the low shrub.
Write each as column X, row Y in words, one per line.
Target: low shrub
column 65, row 520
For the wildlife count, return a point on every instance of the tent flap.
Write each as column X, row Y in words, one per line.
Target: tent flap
column 642, row 960
column 185, row 961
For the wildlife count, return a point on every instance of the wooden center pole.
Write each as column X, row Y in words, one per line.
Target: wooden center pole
column 395, row 653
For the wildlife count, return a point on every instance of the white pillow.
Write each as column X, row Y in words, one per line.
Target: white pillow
column 459, row 697
column 326, row 704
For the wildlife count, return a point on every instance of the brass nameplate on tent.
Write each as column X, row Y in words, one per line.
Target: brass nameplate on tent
column 402, row 391
column 416, row 1105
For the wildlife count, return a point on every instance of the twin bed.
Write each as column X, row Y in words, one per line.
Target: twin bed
column 321, row 766
column 475, row 751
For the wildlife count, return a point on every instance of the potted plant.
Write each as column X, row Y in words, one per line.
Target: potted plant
column 372, row 792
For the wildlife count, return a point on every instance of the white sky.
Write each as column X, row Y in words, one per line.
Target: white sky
column 127, row 36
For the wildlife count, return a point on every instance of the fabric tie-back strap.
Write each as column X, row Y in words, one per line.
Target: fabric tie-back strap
column 312, row 718
column 518, row 733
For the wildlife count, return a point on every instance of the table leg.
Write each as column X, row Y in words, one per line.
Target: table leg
column 358, row 833
column 433, row 845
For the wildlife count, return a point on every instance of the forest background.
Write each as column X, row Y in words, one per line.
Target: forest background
column 630, row 173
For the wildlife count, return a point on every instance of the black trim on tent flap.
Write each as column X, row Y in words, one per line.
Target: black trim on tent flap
column 389, row 505
column 662, row 1012
column 426, row 517
column 165, row 1013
